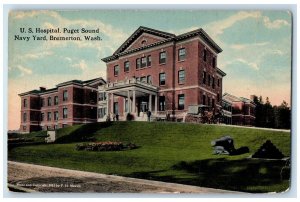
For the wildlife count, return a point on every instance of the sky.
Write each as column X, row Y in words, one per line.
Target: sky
column 256, row 48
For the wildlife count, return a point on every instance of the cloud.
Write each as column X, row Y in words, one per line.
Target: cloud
column 276, row 24
column 106, row 30
column 218, row 27
column 246, row 46
column 81, row 65
column 24, row 70
column 37, row 55
column 252, row 65
column 68, row 59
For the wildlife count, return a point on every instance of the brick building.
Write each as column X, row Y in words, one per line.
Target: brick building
column 69, row 103
column 239, row 110
column 163, row 73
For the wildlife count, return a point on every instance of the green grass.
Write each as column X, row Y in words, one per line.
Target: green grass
column 172, row 152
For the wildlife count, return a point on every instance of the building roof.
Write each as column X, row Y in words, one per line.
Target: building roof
column 140, row 31
column 221, row 72
column 231, row 98
column 78, row 82
column 167, row 37
column 32, row 92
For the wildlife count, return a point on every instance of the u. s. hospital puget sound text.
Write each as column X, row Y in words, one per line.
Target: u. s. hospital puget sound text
column 57, row 34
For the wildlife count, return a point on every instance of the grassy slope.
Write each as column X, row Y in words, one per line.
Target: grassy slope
column 169, row 152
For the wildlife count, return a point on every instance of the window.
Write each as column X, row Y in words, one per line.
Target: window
column 55, row 127
column 149, row 79
column 149, row 60
column 56, row 116
column 204, row 54
column 162, row 103
column 162, row 79
column 213, row 103
column 208, row 80
column 218, row 82
column 218, row 97
column 49, row 101
column 48, row 127
column 102, row 96
column 138, row 63
column 180, row 101
column 203, row 99
column 42, row 102
column 144, row 62
column 25, row 102
column 181, row 54
column 162, row 57
column 213, row 82
column 101, row 112
column 126, row 66
column 144, row 79
column 49, row 116
column 181, row 76
column 64, row 125
column 65, row 95
column 214, row 62
column 204, row 78
column 42, row 116
column 208, row 101
column 116, row 70
column 24, row 127
column 24, row 117
column 56, row 100
column 65, row 113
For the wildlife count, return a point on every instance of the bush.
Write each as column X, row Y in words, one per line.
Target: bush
column 104, row 146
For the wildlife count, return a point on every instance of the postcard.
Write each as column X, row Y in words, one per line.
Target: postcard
column 149, row 101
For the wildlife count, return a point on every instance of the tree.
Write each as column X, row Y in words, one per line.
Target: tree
column 283, row 115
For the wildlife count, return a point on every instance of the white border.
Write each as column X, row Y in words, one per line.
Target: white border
column 213, row 5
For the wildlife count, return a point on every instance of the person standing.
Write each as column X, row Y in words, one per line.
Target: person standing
column 148, row 115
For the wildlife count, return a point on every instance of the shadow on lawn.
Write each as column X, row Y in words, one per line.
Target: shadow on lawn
column 83, row 133
column 249, row 175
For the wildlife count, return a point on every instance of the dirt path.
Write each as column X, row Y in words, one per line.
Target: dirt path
column 51, row 179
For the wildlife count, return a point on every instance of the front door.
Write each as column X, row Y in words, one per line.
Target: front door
column 116, row 108
column 143, row 106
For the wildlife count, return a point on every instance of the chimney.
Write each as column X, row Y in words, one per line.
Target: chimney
column 42, row 89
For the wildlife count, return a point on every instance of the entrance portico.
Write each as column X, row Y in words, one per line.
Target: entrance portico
column 137, row 98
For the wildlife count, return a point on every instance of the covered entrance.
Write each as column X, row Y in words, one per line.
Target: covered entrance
column 136, row 98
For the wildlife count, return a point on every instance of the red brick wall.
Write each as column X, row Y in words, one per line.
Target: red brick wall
column 194, row 65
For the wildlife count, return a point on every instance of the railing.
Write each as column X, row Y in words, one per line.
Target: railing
column 126, row 82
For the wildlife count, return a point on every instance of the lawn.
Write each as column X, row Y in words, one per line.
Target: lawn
column 171, row 152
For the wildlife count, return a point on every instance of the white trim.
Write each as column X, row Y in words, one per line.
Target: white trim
column 89, row 105
column 142, row 52
column 144, row 35
column 189, row 87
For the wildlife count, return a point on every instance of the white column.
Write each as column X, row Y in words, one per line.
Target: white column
column 155, row 104
column 128, row 102
column 108, row 103
column 150, row 102
column 112, row 103
column 133, row 101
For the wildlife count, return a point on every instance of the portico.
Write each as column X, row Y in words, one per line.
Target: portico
column 130, row 96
